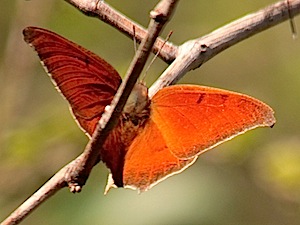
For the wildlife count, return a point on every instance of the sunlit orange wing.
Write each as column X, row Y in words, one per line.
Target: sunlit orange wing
column 186, row 121
column 149, row 161
column 193, row 119
column 86, row 80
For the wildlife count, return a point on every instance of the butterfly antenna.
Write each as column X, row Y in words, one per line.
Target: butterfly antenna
column 134, row 39
column 153, row 59
column 292, row 21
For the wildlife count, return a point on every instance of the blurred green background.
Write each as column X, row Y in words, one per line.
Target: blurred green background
column 251, row 180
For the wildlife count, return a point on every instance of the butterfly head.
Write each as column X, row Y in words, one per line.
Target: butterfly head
column 138, row 100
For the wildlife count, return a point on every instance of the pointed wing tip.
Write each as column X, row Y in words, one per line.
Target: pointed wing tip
column 269, row 119
column 28, row 34
column 271, row 126
column 271, row 122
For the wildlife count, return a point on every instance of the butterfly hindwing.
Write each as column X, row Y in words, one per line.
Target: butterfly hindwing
column 149, row 161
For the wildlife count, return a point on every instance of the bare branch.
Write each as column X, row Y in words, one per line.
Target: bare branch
column 76, row 173
column 160, row 16
column 56, row 183
column 194, row 53
column 189, row 56
column 109, row 15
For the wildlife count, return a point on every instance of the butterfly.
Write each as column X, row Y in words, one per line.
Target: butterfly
column 154, row 138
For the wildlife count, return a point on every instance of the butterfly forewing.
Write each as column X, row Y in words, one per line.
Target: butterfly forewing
column 193, row 119
column 186, row 121
column 86, row 80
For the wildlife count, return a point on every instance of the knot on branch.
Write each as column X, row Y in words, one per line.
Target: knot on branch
column 76, row 176
column 88, row 7
column 158, row 16
column 163, row 10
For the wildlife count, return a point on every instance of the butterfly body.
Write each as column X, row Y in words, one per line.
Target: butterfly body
column 131, row 122
column 154, row 138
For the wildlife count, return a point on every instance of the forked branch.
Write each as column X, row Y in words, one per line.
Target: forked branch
column 194, row 53
column 76, row 173
column 216, row 41
column 159, row 16
column 188, row 56
column 109, row 15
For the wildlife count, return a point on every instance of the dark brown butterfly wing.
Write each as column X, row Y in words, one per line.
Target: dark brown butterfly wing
column 86, row 81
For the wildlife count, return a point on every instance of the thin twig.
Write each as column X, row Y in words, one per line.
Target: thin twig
column 111, row 16
column 156, row 55
column 56, row 183
column 76, row 173
column 292, row 21
column 194, row 53
column 160, row 15
column 191, row 55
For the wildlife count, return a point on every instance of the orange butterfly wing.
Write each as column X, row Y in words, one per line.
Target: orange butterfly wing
column 149, row 161
column 186, row 121
column 193, row 119
column 85, row 80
